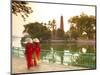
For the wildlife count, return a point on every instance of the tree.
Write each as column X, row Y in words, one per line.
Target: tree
column 60, row 34
column 52, row 24
column 45, row 33
column 52, row 27
column 20, row 7
column 37, row 30
column 84, row 23
column 74, row 32
column 67, row 35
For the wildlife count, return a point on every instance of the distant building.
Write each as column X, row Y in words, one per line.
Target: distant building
column 61, row 23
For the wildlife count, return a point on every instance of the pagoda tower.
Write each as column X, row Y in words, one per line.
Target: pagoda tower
column 61, row 23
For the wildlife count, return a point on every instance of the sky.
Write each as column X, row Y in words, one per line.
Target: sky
column 43, row 12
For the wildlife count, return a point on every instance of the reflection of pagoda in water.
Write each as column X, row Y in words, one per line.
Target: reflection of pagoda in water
column 61, row 23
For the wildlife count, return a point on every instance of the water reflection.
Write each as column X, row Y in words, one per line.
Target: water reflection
column 72, row 47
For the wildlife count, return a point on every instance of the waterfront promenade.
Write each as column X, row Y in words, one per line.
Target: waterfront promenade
column 19, row 66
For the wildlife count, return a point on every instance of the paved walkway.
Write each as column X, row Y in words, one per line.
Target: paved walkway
column 19, row 66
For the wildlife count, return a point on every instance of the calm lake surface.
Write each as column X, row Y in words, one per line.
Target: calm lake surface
column 72, row 47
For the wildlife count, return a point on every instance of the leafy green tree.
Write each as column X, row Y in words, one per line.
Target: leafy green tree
column 37, row 30
column 52, row 24
column 46, row 33
column 67, row 35
column 74, row 33
column 84, row 23
column 52, row 27
column 20, row 7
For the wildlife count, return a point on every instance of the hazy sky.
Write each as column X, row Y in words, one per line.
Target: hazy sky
column 44, row 12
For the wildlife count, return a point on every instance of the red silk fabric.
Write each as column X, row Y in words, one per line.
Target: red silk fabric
column 31, row 49
column 36, row 48
column 28, row 54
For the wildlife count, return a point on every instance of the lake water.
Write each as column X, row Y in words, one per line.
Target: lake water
column 72, row 47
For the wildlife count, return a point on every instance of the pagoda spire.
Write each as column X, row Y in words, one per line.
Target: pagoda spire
column 61, row 23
